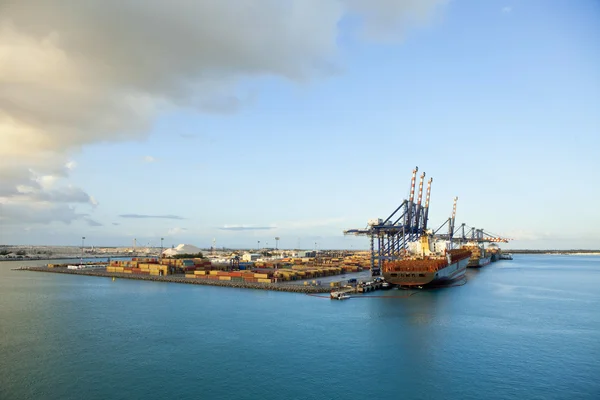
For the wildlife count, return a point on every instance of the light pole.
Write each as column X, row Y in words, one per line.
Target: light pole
column 82, row 244
column 161, row 247
column 276, row 243
column 258, row 246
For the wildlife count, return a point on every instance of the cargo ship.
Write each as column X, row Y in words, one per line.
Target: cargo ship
column 494, row 251
column 479, row 257
column 427, row 262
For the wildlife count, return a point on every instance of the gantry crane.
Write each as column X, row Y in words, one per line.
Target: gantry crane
column 390, row 237
column 465, row 233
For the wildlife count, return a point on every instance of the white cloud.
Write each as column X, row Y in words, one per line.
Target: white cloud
column 176, row 231
column 313, row 223
column 506, row 9
column 77, row 72
column 389, row 19
column 246, row 228
column 149, row 159
column 16, row 213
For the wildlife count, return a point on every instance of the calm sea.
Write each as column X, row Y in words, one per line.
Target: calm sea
column 522, row 329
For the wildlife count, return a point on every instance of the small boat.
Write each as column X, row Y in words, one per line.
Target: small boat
column 386, row 286
column 339, row 296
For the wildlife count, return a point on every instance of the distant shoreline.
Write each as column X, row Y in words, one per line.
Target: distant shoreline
column 53, row 258
column 567, row 252
column 120, row 255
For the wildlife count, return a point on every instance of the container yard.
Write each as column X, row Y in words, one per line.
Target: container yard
column 304, row 275
column 342, row 273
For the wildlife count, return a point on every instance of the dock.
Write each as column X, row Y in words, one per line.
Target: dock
column 274, row 286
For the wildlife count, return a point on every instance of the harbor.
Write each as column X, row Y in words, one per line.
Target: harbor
column 404, row 252
column 355, row 283
column 299, row 200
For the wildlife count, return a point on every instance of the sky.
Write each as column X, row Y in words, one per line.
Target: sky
column 241, row 121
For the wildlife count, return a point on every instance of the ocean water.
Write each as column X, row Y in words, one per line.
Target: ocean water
column 522, row 329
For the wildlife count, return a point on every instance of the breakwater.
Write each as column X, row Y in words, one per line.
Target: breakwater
column 278, row 287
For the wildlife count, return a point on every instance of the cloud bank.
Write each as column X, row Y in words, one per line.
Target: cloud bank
column 149, row 159
column 246, row 228
column 78, row 72
column 145, row 216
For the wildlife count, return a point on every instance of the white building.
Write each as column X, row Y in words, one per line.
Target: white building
column 251, row 257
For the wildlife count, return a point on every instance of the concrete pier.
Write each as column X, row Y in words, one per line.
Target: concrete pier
column 278, row 287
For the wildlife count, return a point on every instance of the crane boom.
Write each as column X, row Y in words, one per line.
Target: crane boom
column 426, row 212
column 419, row 199
column 411, row 199
column 452, row 219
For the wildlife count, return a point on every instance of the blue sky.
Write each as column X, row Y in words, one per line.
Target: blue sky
column 497, row 101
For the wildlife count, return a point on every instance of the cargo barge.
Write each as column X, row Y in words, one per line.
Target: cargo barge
column 427, row 263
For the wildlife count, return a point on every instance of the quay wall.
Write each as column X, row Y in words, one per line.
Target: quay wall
column 278, row 287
